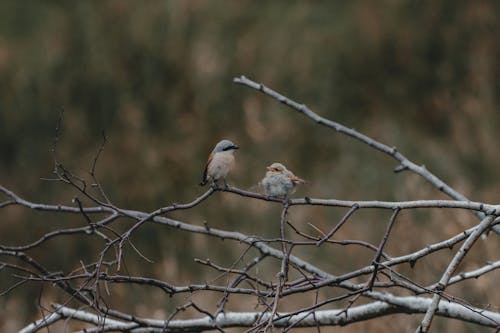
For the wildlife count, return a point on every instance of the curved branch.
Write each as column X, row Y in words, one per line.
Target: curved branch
column 405, row 163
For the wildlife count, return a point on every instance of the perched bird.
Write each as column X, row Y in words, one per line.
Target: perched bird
column 220, row 162
column 279, row 182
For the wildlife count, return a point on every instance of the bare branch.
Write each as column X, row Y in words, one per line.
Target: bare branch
column 443, row 282
column 381, row 248
column 322, row 317
column 404, row 162
column 268, row 274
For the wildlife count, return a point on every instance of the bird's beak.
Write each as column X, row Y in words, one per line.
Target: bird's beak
column 236, row 147
column 269, row 168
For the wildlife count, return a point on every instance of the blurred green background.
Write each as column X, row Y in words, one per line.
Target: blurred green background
column 156, row 76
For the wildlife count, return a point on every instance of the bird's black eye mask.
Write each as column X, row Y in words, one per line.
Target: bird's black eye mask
column 230, row 147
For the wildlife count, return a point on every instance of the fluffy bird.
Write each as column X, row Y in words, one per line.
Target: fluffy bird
column 279, row 182
column 220, row 162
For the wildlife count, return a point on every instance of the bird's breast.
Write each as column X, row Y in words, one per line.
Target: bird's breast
column 221, row 164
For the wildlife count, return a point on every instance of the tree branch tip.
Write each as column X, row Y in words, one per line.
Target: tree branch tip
column 400, row 168
column 239, row 79
column 493, row 211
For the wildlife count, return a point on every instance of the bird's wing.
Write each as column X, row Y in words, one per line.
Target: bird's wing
column 296, row 179
column 204, row 179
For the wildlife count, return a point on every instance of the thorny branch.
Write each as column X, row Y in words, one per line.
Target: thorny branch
column 378, row 282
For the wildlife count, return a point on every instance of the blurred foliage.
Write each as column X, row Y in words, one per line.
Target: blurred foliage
column 156, row 77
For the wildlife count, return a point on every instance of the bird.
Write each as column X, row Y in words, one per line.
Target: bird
column 279, row 182
column 220, row 162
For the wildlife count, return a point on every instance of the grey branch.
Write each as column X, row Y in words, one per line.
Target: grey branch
column 336, row 317
column 444, row 281
column 371, row 283
column 404, row 162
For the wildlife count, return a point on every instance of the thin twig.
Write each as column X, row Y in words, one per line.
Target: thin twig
column 376, row 259
column 340, row 224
